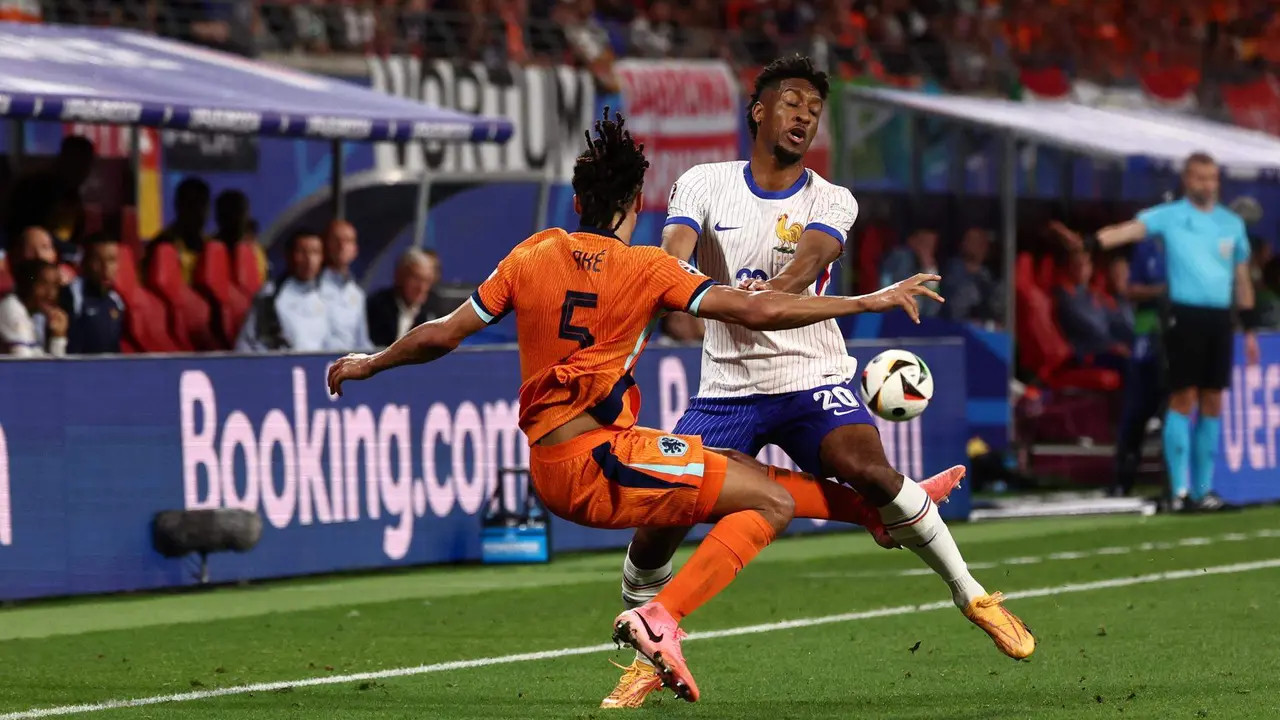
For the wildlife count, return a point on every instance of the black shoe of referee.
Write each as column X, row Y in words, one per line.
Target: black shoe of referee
column 1211, row 502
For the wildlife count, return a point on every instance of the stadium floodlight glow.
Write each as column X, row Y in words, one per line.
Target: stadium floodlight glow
column 178, row 533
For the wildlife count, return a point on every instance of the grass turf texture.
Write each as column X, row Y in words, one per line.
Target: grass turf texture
column 1200, row 647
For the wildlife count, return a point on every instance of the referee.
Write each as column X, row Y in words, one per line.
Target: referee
column 1207, row 257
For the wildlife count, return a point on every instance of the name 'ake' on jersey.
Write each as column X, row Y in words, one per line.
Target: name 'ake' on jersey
column 745, row 231
column 585, row 305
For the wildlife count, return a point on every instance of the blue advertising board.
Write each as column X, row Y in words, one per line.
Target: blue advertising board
column 395, row 473
column 1248, row 470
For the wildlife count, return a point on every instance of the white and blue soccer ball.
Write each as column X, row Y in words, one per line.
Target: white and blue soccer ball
column 897, row 385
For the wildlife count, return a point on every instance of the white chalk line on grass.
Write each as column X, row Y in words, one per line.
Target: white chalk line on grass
column 1058, row 556
column 604, row 647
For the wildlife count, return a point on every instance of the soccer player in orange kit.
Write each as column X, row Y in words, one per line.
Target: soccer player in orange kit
column 585, row 304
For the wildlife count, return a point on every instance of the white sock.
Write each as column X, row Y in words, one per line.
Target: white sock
column 639, row 586
column 913, row 520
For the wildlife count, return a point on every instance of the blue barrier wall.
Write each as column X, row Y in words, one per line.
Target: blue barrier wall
column 395, row 473
column 1248, row 470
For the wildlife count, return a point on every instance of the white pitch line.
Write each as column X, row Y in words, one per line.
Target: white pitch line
column 1058, row 556
column 589, row 649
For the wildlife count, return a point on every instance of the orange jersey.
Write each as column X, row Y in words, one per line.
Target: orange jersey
column 585, row 305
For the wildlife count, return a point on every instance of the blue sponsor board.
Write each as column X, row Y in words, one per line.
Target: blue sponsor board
column 395, row 473
column 1248, row 470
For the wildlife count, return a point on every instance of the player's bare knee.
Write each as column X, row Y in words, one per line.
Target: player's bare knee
column 778, row 507
column 872, row 478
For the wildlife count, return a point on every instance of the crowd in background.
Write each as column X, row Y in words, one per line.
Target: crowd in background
column 66, row 288
column 963, row 44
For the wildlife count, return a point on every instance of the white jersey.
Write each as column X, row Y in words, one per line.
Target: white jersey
column 744, row 231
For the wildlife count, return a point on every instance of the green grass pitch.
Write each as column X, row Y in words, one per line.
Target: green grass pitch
column 1166, row 617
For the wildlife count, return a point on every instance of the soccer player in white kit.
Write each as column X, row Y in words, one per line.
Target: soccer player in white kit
column 770, row 223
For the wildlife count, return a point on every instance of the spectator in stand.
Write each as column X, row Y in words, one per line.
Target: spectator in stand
column 186, row 232
column 589, row 41
column 31, row 323
column 918, row 255
column 1091, row 324
column 653, row 33
column 234, row 225
column 35, row 243
column 291, row 314
column 411, row 301
column 95, row 312
column 51, row 198
column 967, row 284
column 1144, row 380
column 343, row 296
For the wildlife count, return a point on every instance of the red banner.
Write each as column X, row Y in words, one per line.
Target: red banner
column 685, row 112
column 1255, row 105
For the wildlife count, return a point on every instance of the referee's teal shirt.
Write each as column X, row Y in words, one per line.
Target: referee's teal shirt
column 1202, row 250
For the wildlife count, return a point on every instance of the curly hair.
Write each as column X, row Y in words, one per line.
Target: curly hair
column 794, row 67
column 609, row 175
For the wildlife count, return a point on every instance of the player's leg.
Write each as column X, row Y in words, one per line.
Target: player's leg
column 854, row 454
column 1204, row 445
column 822, row 499
column 841, row 440
column 728, row 423
column 1186, row 360
column 749, row 511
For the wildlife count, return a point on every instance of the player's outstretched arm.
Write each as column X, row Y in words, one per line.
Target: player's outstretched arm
column 1124, row 233
column 772, row 310
column 426, row 342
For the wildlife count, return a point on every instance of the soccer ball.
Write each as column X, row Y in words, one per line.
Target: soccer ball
column 897, row 385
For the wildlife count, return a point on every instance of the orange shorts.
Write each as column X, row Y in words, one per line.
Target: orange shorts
column 638, row 477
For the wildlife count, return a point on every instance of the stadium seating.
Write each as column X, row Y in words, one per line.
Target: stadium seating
column 146, row 318
column 1042, row 349
column 190, row 319
column 245, row 271
column 129, row 230
column 228, row 303
column 93, row 218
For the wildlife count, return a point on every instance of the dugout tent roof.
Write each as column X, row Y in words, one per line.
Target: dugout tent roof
column 94, row 75
column 1128, row 134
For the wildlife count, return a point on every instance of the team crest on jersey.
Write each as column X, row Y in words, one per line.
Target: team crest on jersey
column 687, row 267
column 1227, row 247
column 788, row 234
column 672, row 446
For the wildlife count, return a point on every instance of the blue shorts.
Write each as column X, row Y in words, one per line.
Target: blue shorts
column 797, row 422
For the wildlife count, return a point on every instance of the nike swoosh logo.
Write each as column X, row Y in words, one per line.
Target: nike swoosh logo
column 838, row 413
column 652, row 637
column 930, row 540
column 719, row 228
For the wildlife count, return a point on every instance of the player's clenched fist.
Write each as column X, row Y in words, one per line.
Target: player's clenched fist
column 356, row 366
column 903, row 294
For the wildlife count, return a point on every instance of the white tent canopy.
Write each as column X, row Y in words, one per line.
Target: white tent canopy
column 1160, row 136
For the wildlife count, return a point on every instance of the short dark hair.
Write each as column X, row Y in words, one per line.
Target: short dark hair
column 792, row 67
column 26, row 273
column 191, row 187
column 76, row 143
column 1199, row 158
column 296, row 237
column 98, row 239
column 231, row 202
column 610, row 174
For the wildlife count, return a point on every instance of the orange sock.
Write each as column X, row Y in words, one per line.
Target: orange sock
column 730, row 545
column 818, row 499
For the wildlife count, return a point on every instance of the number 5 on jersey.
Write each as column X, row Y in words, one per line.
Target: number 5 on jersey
column 577, row 333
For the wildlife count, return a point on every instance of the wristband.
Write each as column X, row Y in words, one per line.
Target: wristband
column 1250, row 319
column 1091, row 243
